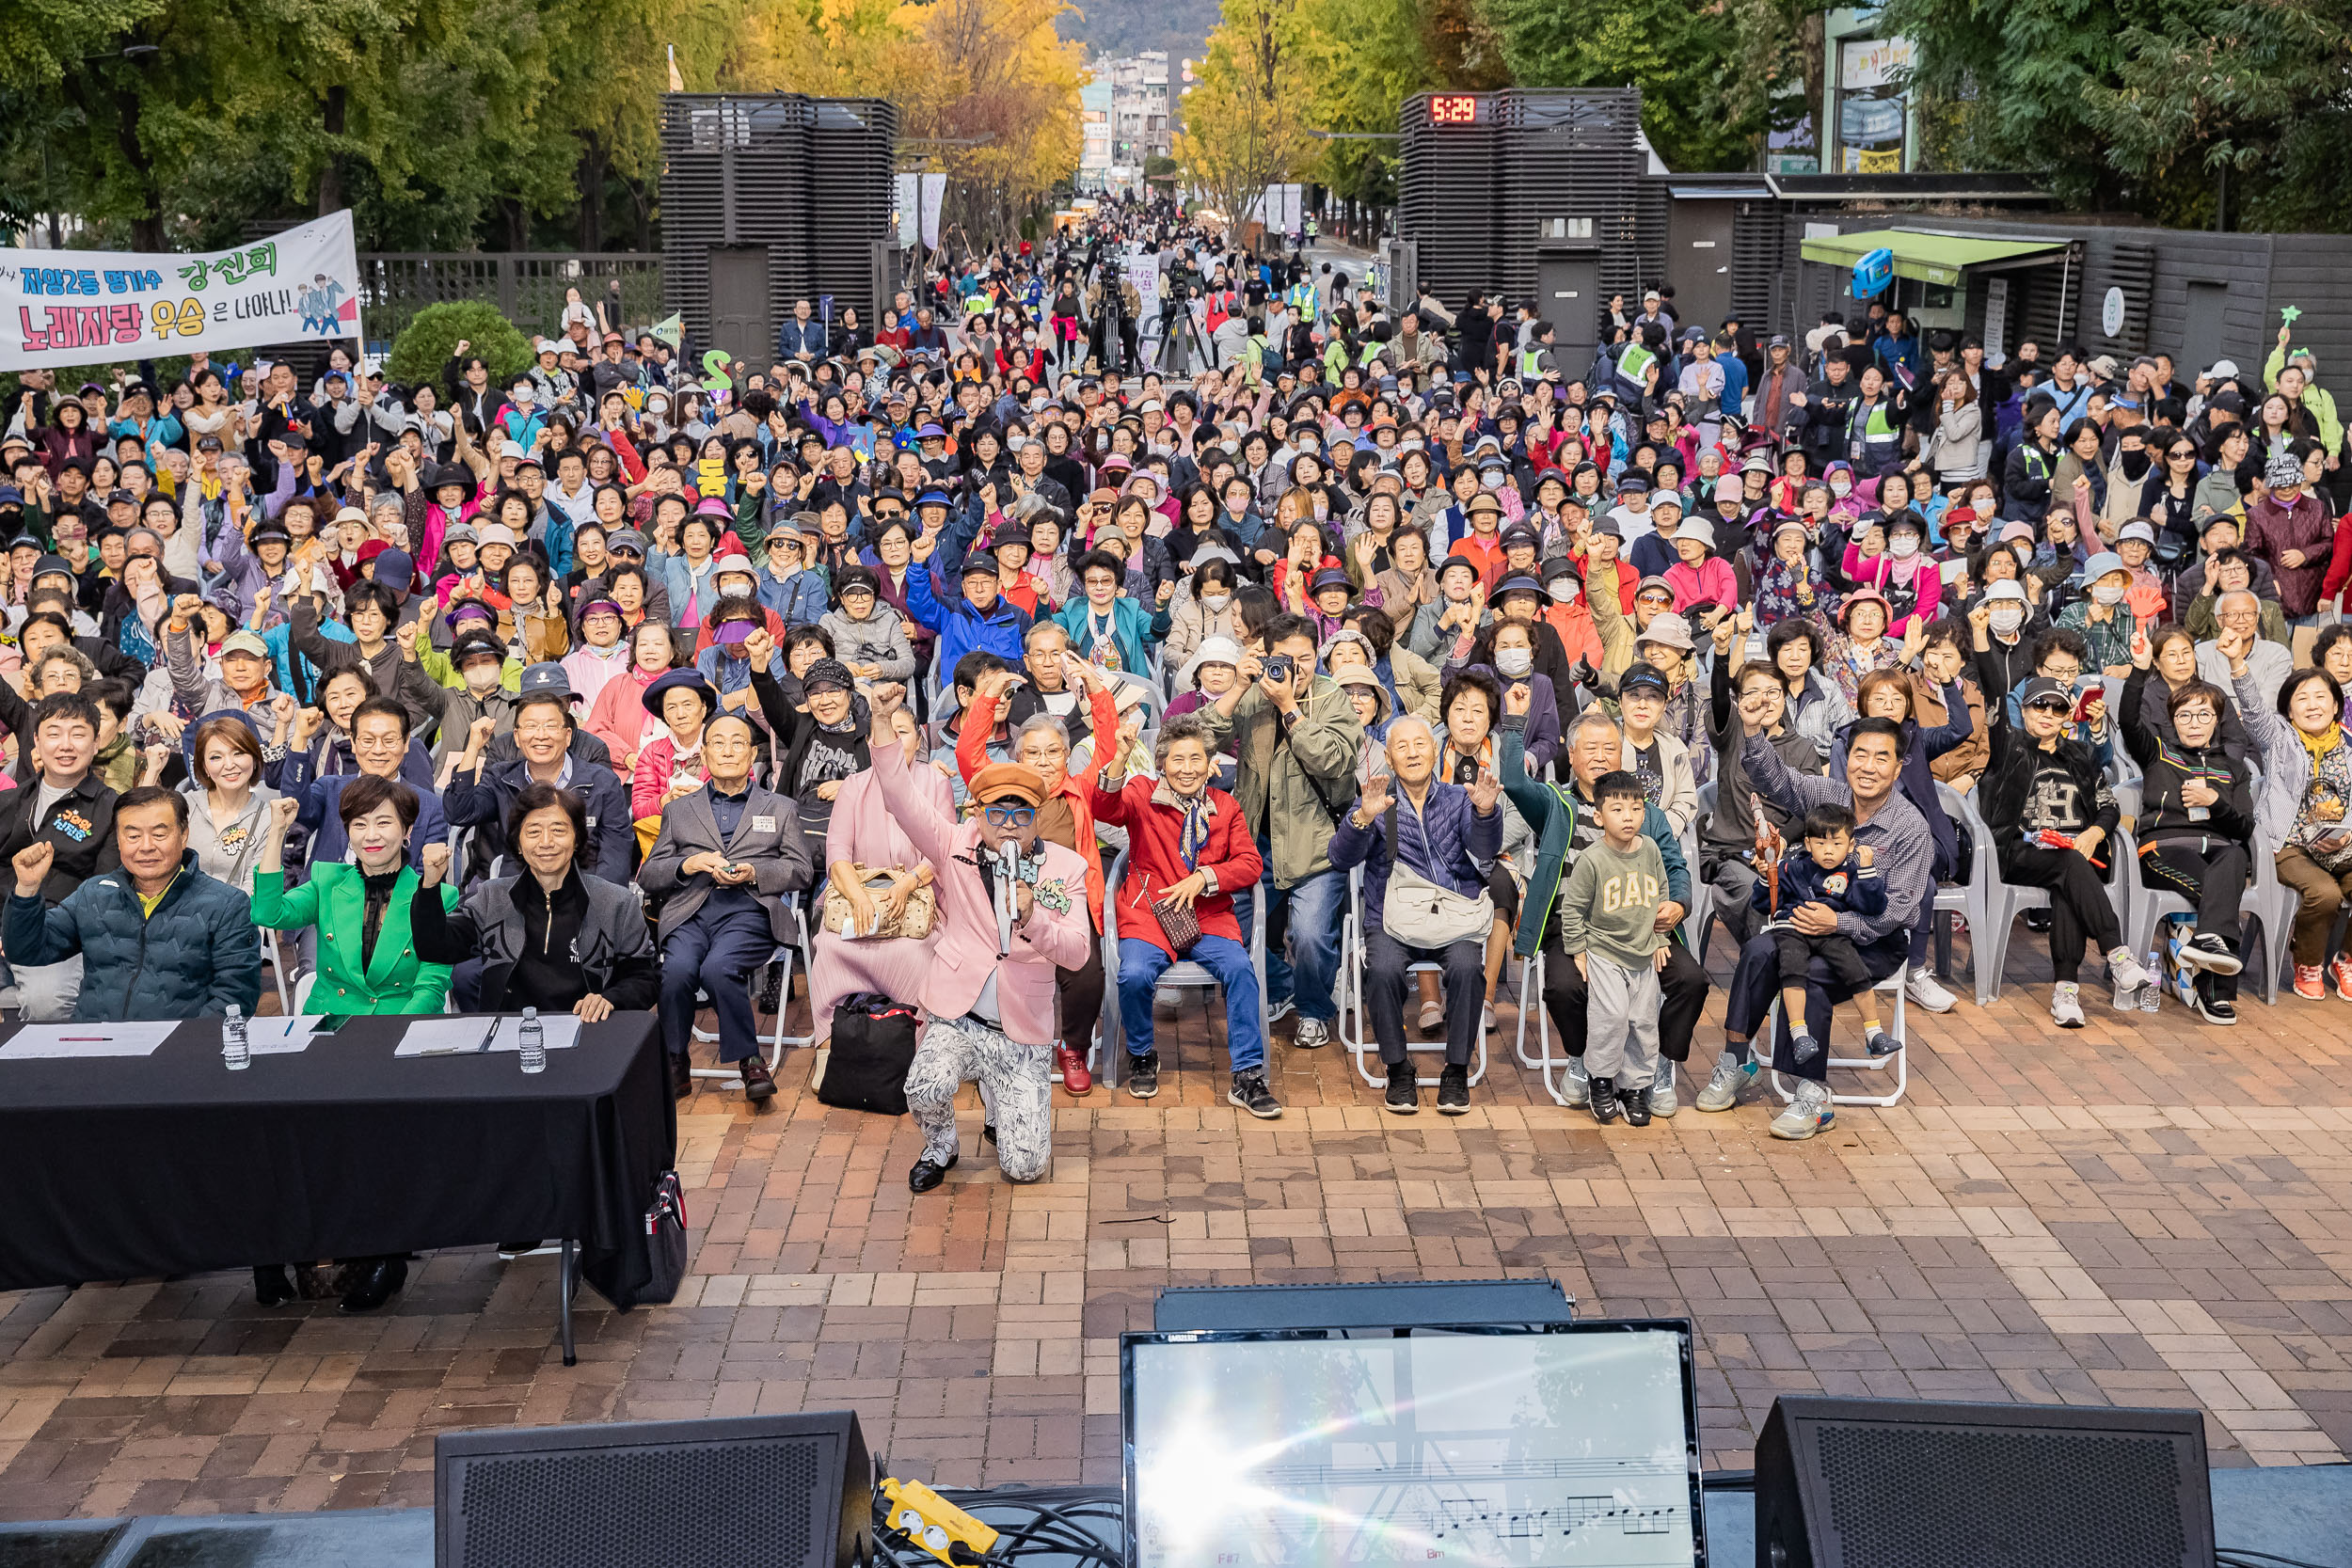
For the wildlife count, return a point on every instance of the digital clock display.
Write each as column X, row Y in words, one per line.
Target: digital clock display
column 1452, row 108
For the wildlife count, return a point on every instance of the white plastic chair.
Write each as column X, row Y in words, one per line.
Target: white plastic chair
column 1354, row 1017
column 1955, row 899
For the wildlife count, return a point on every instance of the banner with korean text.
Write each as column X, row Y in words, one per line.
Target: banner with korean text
column 86, row 307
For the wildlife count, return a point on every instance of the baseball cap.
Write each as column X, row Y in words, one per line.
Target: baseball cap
column 2042, row 691
column 545, row 677
column 1639, row 676
column 244, row 643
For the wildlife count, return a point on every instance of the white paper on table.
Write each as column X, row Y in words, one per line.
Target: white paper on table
column 42, row 1042
column 443, row 1037
column 280, row 1037
column 563, row 1031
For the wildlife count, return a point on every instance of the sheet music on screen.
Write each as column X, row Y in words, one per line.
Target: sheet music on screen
column 1522, row 1450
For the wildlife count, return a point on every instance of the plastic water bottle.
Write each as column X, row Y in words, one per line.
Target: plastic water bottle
column 2151, row 998
column 235, row 1052
column 534, row 1041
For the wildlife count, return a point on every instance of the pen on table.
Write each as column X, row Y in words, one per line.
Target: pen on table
column 84, row 1039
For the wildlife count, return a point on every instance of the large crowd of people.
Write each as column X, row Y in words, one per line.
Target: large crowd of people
column 1038, row 637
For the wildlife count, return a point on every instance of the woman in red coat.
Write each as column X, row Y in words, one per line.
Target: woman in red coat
column 1189, row 854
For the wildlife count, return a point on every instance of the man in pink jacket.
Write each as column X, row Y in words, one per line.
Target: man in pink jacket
column 990, row 992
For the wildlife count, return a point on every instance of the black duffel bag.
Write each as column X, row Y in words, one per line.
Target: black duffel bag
column 873, row 1046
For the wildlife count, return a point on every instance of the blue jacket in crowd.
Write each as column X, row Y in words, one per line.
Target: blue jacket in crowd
column 1446, row 842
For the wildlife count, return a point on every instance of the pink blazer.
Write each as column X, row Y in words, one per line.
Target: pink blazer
column 1056, row 933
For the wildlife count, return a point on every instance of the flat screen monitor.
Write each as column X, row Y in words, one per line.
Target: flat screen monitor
column 1573, row 1445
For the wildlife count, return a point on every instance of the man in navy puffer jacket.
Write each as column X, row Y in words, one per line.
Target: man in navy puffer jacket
column 158, row 938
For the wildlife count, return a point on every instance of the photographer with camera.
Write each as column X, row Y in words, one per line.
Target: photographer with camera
column 1298, row 737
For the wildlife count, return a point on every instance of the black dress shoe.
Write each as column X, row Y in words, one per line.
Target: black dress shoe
column 271, row 1287
column 681, row 1078
column 988, row 1133
column 375, row 1283
column 926, row 1174
column 757, row 1084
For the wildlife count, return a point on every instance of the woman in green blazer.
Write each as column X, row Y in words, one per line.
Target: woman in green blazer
column 368, row 960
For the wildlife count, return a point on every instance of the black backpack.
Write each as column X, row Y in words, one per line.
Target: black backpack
column 873, row 1046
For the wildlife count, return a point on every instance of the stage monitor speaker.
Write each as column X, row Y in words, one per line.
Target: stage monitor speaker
column 777, row 1491
column 1917, row 1483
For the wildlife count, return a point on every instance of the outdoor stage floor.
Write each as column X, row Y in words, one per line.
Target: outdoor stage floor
column 2144, row 1212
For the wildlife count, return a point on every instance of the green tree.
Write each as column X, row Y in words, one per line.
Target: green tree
column 1696, row 110
column 1242, row 126
column 2248, row 113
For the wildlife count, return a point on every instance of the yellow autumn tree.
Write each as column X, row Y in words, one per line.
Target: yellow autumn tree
column 989, row 82
column 1243, row 125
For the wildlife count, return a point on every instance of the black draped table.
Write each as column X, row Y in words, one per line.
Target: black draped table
column 123, row 1167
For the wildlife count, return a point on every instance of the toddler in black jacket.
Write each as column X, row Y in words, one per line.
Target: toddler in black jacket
column 1829, row 871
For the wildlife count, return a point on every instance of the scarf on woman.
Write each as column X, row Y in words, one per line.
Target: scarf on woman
column 2320, row 745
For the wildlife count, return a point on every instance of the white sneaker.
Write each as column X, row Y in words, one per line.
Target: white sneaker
column 1920, row 984
column 1580, row 1090
column 1662, row 1093
column 1808, row 1114
column 1313, row 1034
column 2066, row 1004
column 2124, row 972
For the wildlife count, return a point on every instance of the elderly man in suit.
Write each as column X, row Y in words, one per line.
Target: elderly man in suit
column 991, row 990
column 724, row 855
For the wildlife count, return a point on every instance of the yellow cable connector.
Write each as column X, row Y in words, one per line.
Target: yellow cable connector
column 933, row 1523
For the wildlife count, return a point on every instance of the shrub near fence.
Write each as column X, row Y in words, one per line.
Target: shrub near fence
column 526, row 286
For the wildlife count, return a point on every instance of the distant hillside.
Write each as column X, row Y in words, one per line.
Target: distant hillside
column 1130, row 27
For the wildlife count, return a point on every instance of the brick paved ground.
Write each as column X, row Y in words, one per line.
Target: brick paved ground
column 2144, row 1212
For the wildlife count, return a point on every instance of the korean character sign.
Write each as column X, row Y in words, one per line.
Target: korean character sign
column 62, row 308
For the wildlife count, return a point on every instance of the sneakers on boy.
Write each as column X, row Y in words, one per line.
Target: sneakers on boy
column 1143, row 1075
column 1735, row 1075
column 1454, row 1091
column 2066, row 1004
column 1661, row 1094
column 1313, row 1034
column 2207, row 951
column 1808, row 1114
column 2124, row 972
column 1250, row 1093
column 1404, row 1096
column 1580, row 1090
column 1636, row 1104
column 1604, row 1100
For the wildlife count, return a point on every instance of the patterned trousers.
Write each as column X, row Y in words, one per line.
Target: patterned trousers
column 1015, row 1079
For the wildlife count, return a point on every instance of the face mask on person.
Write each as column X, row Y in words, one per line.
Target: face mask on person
column 2107, row 593
column 481, row 677
column 1902, row 547
column 1215, row 603
column 1490, row 481
column 2007, row 616
column 1840, row 486
column 1982, row 506
column 522, row 397
column 1515, row 662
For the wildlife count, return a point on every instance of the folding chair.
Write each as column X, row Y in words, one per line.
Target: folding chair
column 2263, row 902
column 1355, row 945
column 1953, row 901
column 1901, row 1060
column 777, row 1039
column 1532, row 1001
column 272, row 956
column 1182, row 975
